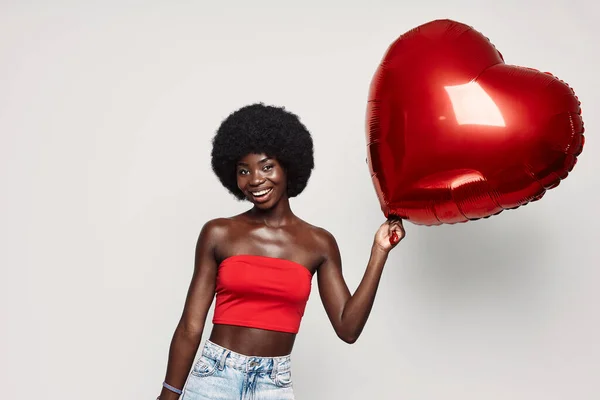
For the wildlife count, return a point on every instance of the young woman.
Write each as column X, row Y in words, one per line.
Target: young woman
column 259, row 267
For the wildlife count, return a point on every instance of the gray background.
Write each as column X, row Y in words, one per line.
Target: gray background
column 106, row 114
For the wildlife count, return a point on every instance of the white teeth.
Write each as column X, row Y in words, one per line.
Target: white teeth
column 261, row 193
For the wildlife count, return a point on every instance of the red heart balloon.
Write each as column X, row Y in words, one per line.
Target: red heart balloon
column 454, row 134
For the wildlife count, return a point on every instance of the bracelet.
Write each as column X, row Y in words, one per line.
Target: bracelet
column 171, row 388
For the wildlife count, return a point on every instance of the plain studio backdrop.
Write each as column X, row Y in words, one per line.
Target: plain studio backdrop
column 107, row 110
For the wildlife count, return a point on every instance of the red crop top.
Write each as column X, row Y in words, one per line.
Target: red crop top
column 261, row 292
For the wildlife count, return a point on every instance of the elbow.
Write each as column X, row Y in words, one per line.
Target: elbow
column 348, row 337
column 348, row 330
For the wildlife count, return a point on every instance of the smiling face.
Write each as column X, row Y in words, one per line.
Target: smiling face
column 262, row 180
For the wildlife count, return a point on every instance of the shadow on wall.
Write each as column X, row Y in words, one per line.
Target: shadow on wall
column 507, row 258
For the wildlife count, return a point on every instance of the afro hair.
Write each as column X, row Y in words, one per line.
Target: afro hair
column 261, row 129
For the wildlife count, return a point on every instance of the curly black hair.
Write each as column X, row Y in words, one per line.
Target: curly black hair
column 261, row 129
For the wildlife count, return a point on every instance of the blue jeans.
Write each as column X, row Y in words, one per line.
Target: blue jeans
column 221, row 374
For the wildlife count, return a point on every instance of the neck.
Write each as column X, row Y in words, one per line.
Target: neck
column 281, row 214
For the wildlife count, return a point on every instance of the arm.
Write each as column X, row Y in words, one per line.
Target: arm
column 349, row 313
column 188, row 333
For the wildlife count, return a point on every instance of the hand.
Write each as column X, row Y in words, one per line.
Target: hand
column 389, row 234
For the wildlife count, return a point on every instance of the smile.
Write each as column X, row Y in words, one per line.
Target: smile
column 262, row 193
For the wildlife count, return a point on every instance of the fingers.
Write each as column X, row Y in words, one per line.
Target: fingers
column 395, row 230
column 395, row 224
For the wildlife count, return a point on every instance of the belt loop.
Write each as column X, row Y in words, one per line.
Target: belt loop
column 275, row 368
column 223, row 359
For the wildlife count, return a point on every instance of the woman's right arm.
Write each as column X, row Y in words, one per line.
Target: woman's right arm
column 188, row 333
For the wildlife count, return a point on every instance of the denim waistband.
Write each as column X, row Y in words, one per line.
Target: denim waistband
column 226, row 357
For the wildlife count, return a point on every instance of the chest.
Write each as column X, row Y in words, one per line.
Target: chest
column 294, row 245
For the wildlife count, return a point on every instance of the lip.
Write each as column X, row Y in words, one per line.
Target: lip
column 264, row 198
column 260, row 189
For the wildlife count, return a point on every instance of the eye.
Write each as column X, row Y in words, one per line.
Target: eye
column 268, row 167
column 243, row 172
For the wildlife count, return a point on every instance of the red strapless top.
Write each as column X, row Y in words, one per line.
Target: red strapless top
column 261, row 292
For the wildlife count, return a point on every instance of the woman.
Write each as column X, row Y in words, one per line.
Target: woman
column 259, row 266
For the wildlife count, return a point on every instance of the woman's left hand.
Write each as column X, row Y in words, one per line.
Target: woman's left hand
column 389, row 234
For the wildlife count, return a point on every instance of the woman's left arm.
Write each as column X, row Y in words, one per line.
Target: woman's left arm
column 349, row 313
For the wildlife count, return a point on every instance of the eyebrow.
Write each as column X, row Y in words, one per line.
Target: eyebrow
column 264, row 160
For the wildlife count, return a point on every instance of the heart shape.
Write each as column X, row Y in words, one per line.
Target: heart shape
column 455, row 134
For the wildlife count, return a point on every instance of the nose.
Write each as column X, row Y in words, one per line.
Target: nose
column 256, row 179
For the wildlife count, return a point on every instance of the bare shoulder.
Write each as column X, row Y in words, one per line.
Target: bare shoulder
column 216, row 229
column 223, row 229
column 215, row 226
column 322, row 239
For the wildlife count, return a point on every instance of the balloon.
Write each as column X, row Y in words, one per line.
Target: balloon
column 455, row 134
